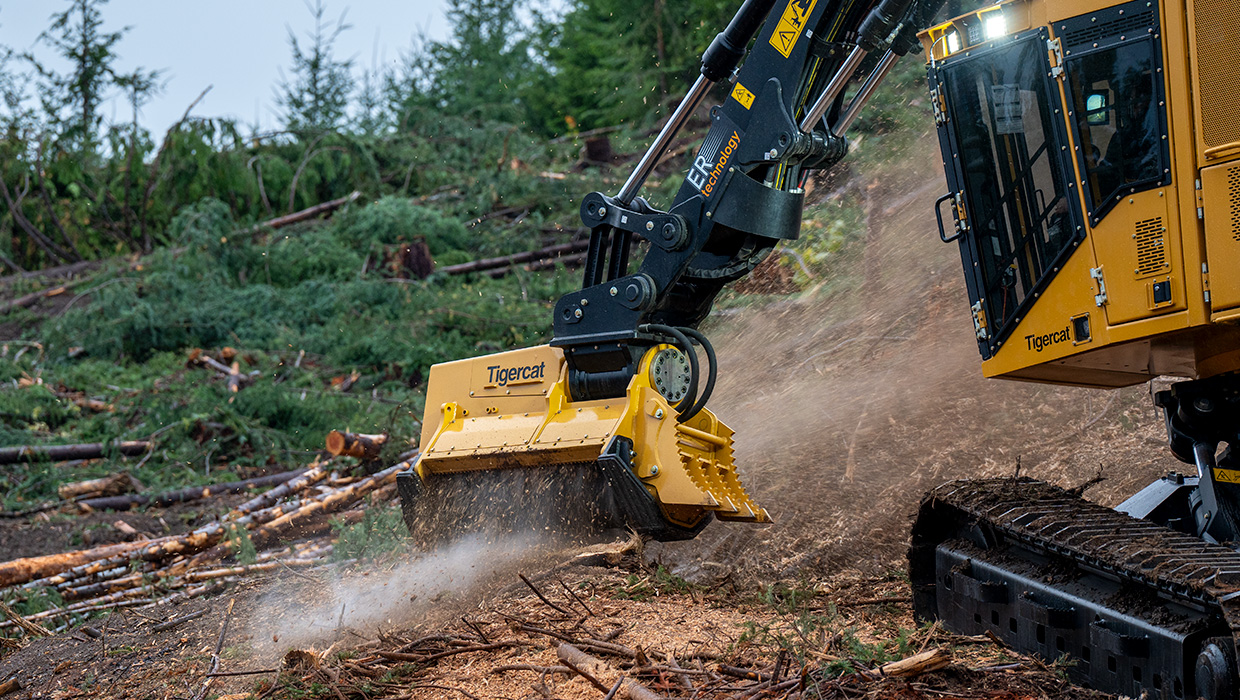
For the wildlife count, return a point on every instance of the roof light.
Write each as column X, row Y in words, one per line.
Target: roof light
column 953, row 42
column 995, row 25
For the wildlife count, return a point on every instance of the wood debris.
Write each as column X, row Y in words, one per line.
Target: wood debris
column 149, row 572
column 231, row 372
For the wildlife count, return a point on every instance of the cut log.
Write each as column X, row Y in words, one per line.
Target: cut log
column 917, row 664
column 312, row 476
column 332, row 502
column 359, row 445
column 113, row 485
column 33, row 298
column 30, row 568
column 63, row 453
column 293, row 519
column 192, row 493
column 574, row 260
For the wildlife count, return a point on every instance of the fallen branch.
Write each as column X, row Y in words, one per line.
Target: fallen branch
column 509, row 260
column 402, row 656
column 303, row 215
column 178, row 621
column 542, row 597
column 31, row 454
column 580, row 661
column 236, row 379
column 32, row 628
column 219, row 646
column 895, row 600
column 255, row 672
column 532, row 667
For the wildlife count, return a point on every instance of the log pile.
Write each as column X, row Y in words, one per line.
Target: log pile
column 281, row 525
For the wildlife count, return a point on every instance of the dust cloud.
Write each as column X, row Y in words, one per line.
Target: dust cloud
column 403, row 593
column 850, row 404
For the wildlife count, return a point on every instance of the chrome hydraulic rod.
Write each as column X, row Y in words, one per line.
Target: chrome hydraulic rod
column 677, row 121
column 833, row 90
column 865, row 92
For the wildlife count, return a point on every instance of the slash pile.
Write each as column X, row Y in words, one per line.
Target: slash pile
column 165, row 570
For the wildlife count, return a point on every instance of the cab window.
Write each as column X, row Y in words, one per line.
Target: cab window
column 1119, row 122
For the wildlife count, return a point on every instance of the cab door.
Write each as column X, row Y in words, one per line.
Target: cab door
column 1003, row 140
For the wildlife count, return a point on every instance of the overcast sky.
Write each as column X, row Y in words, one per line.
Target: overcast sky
column 238, row 46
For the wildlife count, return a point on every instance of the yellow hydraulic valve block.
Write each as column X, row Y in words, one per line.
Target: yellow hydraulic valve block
column 645, row 469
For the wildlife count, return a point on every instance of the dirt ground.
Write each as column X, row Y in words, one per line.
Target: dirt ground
column 847, row 408
column 496, row 638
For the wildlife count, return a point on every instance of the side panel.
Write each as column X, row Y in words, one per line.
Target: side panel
column 1220, row 191
column 1214, row 36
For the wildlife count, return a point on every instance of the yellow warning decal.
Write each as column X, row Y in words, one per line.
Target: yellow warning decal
column 742, row 94
column 1226, row 476
column 791, row 25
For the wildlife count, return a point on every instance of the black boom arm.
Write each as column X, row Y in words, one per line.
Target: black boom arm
column 785, row 116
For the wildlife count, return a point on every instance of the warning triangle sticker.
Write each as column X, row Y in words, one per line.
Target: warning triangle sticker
column 793, row 20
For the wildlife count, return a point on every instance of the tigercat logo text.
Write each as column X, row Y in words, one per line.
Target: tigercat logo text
column 1040, row 342
column 503, row 376
column 704, row 175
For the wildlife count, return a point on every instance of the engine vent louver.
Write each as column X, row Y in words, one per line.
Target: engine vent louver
column 1233, row 198
column 1127, row 26
column 1151, row 247
column 1217, row 31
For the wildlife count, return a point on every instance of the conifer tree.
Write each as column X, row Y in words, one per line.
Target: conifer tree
column 317, row 96
column 71, row 100
column 483, row 68
column 616, row 61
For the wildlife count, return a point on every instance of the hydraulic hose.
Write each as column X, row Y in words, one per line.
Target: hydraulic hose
column 712, row 372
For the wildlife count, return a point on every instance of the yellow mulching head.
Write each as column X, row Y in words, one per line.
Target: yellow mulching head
column 503, row 446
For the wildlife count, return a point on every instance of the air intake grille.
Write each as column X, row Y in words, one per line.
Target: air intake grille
column 1233, row 197
column 1127, row 25
column 1151, row 251
column 1218, row 45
